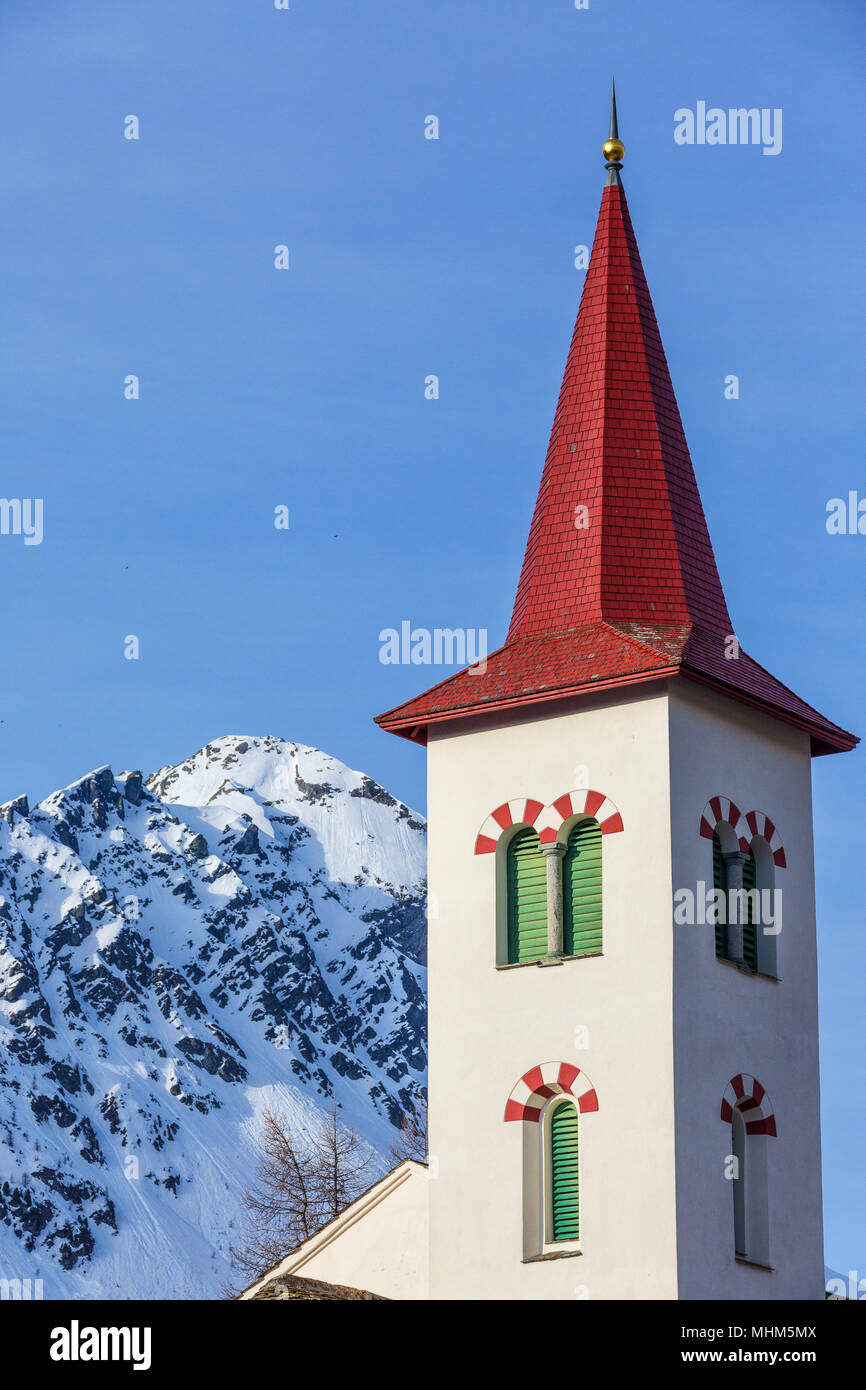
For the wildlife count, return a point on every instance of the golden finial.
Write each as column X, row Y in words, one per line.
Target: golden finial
column 613, row 148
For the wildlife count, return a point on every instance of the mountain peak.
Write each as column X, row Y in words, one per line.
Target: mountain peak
column 244, row 929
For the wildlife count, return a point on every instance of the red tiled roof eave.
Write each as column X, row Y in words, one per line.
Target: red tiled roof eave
column 600, row 657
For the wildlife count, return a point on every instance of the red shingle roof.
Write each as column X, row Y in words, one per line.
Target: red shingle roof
column 619, row 581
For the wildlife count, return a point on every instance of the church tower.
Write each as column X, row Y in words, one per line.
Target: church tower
column 624, row 1097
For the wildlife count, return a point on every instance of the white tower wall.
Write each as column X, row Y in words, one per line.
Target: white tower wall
column 667, row 1025
column 488, row 1026
column 727, row 1022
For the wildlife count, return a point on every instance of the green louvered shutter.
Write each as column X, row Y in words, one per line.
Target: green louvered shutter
column 527, row 899
column 564, row 1172
column 750, row 931
column 719, row 882
column 581, row 890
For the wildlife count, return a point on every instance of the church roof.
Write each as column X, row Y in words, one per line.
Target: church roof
column 619, row 581
column 291, row 1287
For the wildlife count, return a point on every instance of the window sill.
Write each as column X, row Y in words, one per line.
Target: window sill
column 550, row 1255
column 561, row 960
column 753, row 1264
column 747, row 969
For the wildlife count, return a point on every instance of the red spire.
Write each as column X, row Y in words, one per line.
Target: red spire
column 619, row 583
column 618, row 533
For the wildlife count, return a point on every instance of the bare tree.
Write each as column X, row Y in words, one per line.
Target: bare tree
column 342, row 1166
column 279, row 1202
column 412, row 1139
column 301, row 1182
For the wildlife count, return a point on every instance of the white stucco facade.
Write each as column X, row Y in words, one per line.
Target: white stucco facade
column 488, row 1026
column 727, row 1022
column 661, row 1025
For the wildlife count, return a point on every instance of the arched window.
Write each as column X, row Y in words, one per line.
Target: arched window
column 526, row 898
column 751, row 911
column 749, row 1181
column 735, row 873
column 758, row 904
column 550, row 1103
column 766, row 907
column 720, row 883
column 747, row 1109
column 548, row 877
column 747, row 850
column 581, row 890
column 563, row 1171
column 738, row 1179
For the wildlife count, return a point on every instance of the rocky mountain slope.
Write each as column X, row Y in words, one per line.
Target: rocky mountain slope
column 246, row 928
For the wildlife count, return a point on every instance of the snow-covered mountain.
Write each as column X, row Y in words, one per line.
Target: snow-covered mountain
column 244, row 929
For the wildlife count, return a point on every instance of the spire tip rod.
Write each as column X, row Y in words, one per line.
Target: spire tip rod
column 613, row 148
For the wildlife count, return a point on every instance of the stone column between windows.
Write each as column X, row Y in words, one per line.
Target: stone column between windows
column 553, row 854
column 734, row 880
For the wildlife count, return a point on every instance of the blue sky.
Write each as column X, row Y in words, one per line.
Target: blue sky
column 306, row 388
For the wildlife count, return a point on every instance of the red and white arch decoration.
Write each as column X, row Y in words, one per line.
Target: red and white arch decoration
column 578, row 803
column 522, row 811
column 746, row 1094
column 721, row 809
column 548, row 820
column 745, row 827
column 759, row 824
column 539, row 1084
